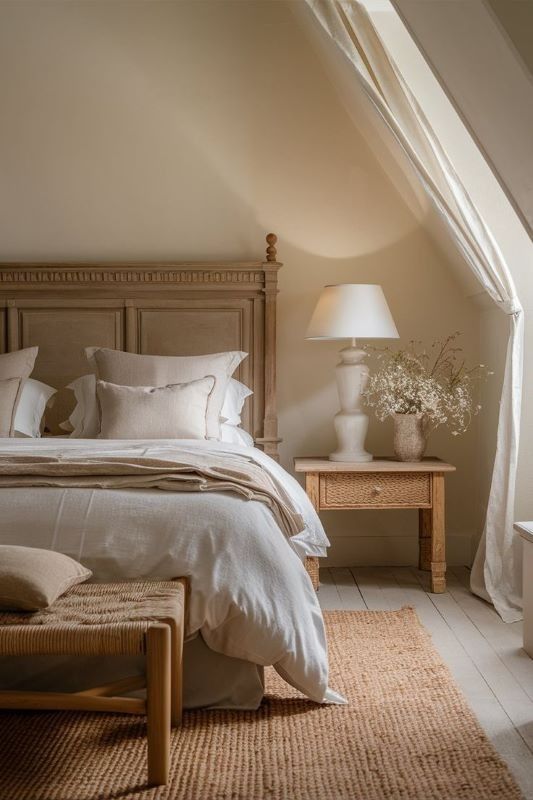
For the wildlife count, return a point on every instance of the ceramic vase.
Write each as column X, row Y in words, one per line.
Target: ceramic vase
column 410, row 436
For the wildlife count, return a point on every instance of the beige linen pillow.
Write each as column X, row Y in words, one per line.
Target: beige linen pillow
column 129, row 369
column 177, row 411
column 14, row 369
column 31, row 578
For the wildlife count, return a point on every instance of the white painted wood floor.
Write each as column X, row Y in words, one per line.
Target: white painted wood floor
column 484, row 654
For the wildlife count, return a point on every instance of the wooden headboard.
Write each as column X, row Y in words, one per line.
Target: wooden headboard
column 181, row 308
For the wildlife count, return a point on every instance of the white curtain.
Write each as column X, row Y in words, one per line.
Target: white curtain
column 496, row 574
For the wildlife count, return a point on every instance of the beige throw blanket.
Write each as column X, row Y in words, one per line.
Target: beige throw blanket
column 186, row 472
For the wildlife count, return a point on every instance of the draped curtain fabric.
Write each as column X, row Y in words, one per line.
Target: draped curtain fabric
column 496, row 574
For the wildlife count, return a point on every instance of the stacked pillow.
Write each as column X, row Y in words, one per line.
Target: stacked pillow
column 15, row 369
column 133, row 396
column 129, row 369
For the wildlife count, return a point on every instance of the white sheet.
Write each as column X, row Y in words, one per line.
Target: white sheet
column 250, row 595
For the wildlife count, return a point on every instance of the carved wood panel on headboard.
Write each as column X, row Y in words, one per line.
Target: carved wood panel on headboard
column 183, row 308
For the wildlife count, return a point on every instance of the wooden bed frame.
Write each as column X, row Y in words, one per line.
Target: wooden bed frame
column 178, row 308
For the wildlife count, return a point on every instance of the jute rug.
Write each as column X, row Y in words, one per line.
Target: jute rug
column 407, row 734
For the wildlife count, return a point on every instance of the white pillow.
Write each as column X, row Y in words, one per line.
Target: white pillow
column 84, row 422
column 33, row 400
column 236, row 394
column 232, row 434
column 177, row 411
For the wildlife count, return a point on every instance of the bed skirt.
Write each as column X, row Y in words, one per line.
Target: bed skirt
column 210, row 679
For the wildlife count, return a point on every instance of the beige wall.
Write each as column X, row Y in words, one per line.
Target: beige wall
column 144, row 130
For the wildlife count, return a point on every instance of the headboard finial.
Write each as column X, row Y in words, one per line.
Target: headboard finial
column 271, row 249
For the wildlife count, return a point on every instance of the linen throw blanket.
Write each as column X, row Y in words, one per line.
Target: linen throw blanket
column 185, row 470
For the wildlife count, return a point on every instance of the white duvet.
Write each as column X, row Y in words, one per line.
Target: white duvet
column 250, row 595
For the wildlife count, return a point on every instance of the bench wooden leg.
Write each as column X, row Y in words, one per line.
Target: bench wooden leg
column 158, row 679
column 177, row 631
column 176, row 671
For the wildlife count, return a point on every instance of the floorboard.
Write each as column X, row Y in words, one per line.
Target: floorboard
column 328, row 594
column 506, row 640
column 483, row 653
column 350, row 596
column 512, row 697
column 370, row 585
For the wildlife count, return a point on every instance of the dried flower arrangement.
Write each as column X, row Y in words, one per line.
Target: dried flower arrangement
column 434, row 382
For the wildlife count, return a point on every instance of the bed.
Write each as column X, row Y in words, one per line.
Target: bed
column 252, row 602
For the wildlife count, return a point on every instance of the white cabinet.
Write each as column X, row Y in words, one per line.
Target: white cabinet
column 526, row 532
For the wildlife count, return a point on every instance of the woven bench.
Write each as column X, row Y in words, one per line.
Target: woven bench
column 110, row 619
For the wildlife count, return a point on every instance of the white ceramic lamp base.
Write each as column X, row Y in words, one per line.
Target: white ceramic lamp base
column 351, row 423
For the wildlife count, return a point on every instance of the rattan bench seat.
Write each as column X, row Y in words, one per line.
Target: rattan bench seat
column 110, row 619
column 93, row 619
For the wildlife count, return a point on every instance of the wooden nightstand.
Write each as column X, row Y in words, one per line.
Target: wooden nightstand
column 385, row 483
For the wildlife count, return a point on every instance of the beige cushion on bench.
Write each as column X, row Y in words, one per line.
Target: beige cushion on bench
column 111, row 619
column 32, row 579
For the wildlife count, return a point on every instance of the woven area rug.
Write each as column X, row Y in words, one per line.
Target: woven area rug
column 407, row 734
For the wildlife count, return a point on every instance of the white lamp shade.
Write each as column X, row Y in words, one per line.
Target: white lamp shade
column 352, row 311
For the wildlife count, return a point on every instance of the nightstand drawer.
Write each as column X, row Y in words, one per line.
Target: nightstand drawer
column 375, row 490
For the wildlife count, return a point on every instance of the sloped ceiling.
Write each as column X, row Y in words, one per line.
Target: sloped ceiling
column 517, row 21
column 482, row 54
column 387, row 152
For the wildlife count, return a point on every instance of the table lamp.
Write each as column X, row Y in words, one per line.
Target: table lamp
column 351, row 311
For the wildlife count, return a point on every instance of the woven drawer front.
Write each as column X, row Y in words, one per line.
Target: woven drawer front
column 349, row 490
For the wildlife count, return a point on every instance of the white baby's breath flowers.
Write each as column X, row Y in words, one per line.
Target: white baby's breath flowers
column 436, row 384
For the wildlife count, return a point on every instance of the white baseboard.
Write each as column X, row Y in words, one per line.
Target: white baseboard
column 397, row 551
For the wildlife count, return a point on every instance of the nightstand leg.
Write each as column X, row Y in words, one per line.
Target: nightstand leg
column 424, row 538
column 432, row 543
column 438, row 540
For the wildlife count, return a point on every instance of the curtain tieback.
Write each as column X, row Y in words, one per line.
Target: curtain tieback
column 511, row 307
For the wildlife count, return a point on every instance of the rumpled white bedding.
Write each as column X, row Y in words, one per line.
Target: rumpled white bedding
column 250, row 595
